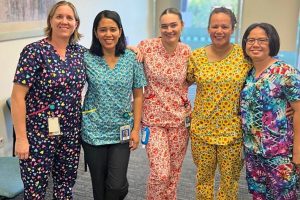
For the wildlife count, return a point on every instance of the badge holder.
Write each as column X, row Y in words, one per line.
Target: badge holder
column 145, row 132
column 187, row 121
column 124, row 133
column 53, row 126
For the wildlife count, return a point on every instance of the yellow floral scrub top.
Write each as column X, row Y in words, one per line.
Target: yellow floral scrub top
column 215, row 118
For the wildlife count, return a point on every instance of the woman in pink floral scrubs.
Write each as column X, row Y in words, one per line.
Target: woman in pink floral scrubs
column 166, row 105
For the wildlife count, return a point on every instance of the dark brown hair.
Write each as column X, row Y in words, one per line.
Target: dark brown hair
column 225, row 11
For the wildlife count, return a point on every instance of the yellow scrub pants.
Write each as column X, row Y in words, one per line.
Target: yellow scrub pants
column 207, row 157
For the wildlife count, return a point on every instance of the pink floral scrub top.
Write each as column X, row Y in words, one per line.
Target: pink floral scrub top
column 165, row 99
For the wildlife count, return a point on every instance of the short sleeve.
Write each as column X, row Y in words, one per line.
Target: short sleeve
column 190, row 77
column 27, row 66
column 139, row 79
column 291, row 82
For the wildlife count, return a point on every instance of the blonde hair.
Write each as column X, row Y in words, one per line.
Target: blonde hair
column 75, row 37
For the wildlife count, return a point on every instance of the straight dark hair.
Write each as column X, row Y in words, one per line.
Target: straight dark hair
column 272, row 34
column 96, row 47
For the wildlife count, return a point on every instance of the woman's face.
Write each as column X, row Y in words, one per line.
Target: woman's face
column 170, row 28
column 108, row 34
column 257, row 45
column 63, row 22
column 220, row 29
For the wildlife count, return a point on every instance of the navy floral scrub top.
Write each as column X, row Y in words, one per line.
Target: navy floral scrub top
column 55, row 86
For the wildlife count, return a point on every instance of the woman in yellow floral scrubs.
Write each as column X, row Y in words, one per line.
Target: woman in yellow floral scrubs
column 219, row 70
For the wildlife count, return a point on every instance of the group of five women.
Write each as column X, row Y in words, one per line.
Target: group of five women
column 232, row 83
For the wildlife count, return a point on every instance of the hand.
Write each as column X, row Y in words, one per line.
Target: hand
column 296, row 161
column 134, row 140
column 139, row 55
column 22, row 148
column 289, row 111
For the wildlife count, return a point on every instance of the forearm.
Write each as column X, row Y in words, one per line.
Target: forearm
column 296, row 126
column 18, row 112
column 137, row 108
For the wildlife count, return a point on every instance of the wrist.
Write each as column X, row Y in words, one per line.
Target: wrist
column 21, row 138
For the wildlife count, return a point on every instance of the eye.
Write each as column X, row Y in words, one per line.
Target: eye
column 263, row 40
column 163, row 26
column 250, row 40
column 101, row 30
column 225, row 27
column 58, row 16
column 70, row 18
column 174, row 25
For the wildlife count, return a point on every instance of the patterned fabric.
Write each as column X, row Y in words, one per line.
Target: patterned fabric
column 56, row 155
column 165, row 108
column 215, row 118
column 166, row 103
column 206, row 158
column 56, row 84
column 107, row 104
column 271, row 179
column 166, row 150
column 267, row 130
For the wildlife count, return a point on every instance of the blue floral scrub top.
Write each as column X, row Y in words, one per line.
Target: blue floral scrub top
column 267, row 130
column 55, row 86
column 107, row 105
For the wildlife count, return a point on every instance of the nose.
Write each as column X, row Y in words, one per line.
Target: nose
column 169, row 29
column 108, row 33
column 219, row 29
column 64, row 20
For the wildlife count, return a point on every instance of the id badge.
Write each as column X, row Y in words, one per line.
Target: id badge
column 124, row 133
column 53, row 126
column 187, row 121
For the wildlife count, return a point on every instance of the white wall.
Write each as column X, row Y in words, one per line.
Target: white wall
column 137, row 22
column 283, row 15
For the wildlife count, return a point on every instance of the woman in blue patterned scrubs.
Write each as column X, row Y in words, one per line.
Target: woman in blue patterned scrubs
column 271, row 138
column 46, row 106
column 114, row 77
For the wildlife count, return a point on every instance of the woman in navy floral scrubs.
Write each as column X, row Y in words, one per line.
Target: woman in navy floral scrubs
column 46, row 106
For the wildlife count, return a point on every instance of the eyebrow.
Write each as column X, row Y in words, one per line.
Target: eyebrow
column 170, row 23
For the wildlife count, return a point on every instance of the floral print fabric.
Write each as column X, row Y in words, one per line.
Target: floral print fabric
column 107, row 105
column 165, row 100
column 215, row 118
column 267, row 129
